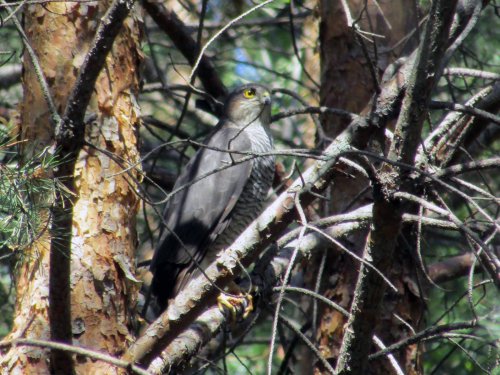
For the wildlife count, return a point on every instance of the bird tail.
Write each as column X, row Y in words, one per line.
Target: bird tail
column 163, row 284
column 158, row 293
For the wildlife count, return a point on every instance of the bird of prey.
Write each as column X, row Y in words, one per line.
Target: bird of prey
column 220, row 194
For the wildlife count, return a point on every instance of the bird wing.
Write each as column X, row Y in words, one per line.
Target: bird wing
column 200, row 212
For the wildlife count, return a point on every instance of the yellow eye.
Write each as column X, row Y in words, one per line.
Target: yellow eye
column 249, row 93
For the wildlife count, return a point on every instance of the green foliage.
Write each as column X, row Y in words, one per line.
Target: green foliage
column 266, row 54
column 6, row 301
column 11, row 49
column 26, row 192
column 467, row 351
column 241, row 55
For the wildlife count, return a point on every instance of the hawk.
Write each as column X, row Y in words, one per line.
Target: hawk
column 220, row 194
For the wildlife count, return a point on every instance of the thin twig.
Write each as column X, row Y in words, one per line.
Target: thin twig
column 221, row 31
column 465, row 109
column 285, row 282
column 54, row 115
column 422, row 335
column 317, row 110
column 79, row 351
column 308, row 343
column 177, row 31
column 472, row 73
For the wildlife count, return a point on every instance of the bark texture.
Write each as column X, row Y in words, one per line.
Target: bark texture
column 103, row 231
column 348, row 62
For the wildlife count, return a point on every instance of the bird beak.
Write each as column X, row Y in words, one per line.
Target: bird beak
column 266, row 99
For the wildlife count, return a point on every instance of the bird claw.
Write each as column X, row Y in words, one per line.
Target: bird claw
column 237, row 306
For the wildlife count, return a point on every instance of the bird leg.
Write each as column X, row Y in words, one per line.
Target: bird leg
column 239, row 305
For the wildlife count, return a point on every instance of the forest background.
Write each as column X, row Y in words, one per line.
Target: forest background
column 378, row 251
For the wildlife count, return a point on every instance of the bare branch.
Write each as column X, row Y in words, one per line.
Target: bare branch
column 489, row 261
column 387, row 215
column 472, row 73
column 443, row 143
column 469, row 167
column 286, row 278
column 431, row 331
column 267, row 275
column 54, row 115
column 316, row 110
column 309, row 344
column 222, row 30
column 177, row 31
column 263, row 21
column 77, row 350
column 465, row 109
column 187, row 305
column 451, row 268
column 188, row 342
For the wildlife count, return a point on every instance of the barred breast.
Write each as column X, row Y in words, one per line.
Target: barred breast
column 254, row 194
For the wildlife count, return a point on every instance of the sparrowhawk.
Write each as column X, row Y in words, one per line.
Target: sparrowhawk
column 210, row 212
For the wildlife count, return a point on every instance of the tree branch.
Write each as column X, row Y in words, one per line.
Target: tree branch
column 268, row 274
column 451, row 268
column 69, row 134
column 387, row 214
column 177, row 31
column 44, row 87
column 465, row 109
column 316, row 110
column 431, row 331
column 189, row 303
column 472, row 73
column 265, row 276
column 77, row 350
column 454, row 170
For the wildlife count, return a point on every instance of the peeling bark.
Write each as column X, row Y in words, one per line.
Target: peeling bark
column 388, row 212
column 346, row 83
column 103, row 230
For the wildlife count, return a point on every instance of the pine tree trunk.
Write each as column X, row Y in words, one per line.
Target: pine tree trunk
column 346, row 83
column 103, row 231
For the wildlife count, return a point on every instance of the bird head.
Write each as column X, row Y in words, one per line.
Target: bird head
column 249, row 103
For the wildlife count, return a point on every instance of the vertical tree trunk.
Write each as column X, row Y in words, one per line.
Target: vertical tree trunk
column 347, row 83
column 103, row 233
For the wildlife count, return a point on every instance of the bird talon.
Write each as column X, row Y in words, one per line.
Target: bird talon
column 213, row 204
column 238, row 306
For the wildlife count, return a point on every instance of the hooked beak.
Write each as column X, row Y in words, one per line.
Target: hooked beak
column 266, row 99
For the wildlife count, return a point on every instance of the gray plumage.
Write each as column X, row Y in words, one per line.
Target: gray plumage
column 211, row 212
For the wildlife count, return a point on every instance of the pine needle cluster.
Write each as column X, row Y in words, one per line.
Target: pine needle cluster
column 26, row 194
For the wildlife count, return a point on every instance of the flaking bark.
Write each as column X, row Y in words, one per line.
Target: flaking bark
column 104, row 203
